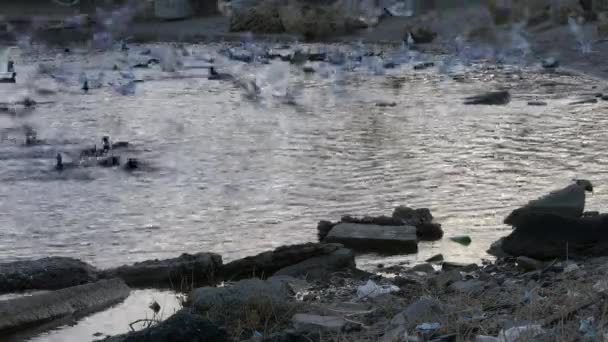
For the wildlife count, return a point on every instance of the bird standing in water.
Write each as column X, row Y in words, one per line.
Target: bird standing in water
column 58, row 162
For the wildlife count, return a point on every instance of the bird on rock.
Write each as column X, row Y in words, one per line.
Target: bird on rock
column 569, row 202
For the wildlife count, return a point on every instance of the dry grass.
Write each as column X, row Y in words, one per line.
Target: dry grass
column 243, row 321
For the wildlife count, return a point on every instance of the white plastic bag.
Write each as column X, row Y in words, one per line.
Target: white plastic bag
column 371, row 289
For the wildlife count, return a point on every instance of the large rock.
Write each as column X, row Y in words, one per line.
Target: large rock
column 177, row 273
column 546, row 236
column 45, row 274
column 321, row 266
column 259, row 16
column 267, row 263
column 422, row 310
column 25, row 312
column 183, row 326
column 313, row 19
column 369, row 237
column 240, row 294
column 568, row 201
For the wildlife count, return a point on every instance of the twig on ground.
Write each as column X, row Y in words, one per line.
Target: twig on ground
column 145, row 320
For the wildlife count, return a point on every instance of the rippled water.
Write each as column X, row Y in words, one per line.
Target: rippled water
column 236, row 176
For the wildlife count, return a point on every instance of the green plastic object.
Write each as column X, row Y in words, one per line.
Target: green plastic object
column 464, row 240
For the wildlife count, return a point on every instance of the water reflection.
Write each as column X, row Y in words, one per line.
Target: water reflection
column 238, row 177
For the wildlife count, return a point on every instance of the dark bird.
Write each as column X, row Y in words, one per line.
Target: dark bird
column 566, row 202
column 422, row 36
column 214, row 75
column 12, row 79
column 59, row 162
column 85, row 86
column 492, row 98
column 132, row 164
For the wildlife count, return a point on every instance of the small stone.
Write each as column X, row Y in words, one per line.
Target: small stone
column 443, row 279
column 426, row 268
column 537, row 103
column 435, row 258
column 313, row 323
column 447, row 266
column 380, row 266
column 571, row 267
column 469, row 286
column 528, row 264
column 584, row 101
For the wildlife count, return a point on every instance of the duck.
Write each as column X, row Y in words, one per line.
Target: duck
column 214, row 75
column 12, row 79
column 60, row 165
column 566, row 202
column 59, row 162
column 131, row 164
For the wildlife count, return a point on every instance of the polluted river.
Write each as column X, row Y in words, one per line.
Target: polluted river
column 254, row 159
column 236, row 174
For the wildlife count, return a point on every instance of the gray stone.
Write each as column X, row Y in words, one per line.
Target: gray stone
column 243, row 292
column 321, row 266
column 448, row 266
column 369, row 237
column 25, row 312
column 444, row 279
column 45, row 274
column 435, row 258
column 413, row 217
column 470, row 287
column 422, row 310
column 183, row 326
column 177, row 273
column 398, row 334
column 426, row 268
column 267, row 263
column 312, row 323
column 258, row 16
column 529, row 264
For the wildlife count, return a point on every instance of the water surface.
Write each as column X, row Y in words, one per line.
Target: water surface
column 236, row 176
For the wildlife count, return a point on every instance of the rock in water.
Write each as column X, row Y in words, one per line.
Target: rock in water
column 182, row 272
column 543, row 236
column 368, row 237
column 569, row 202
column 267, row 263
column 258, row 16
column 492, row 98
column 45, row 274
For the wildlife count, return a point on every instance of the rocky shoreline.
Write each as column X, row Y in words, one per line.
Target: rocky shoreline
column 314, row 291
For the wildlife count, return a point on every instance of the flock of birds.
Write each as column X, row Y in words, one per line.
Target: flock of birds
column 355, row 57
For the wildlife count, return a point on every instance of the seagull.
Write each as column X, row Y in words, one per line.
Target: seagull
column 492, row 98
column 569, row 202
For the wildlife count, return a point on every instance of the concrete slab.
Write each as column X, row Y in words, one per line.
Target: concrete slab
column 369, row 237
